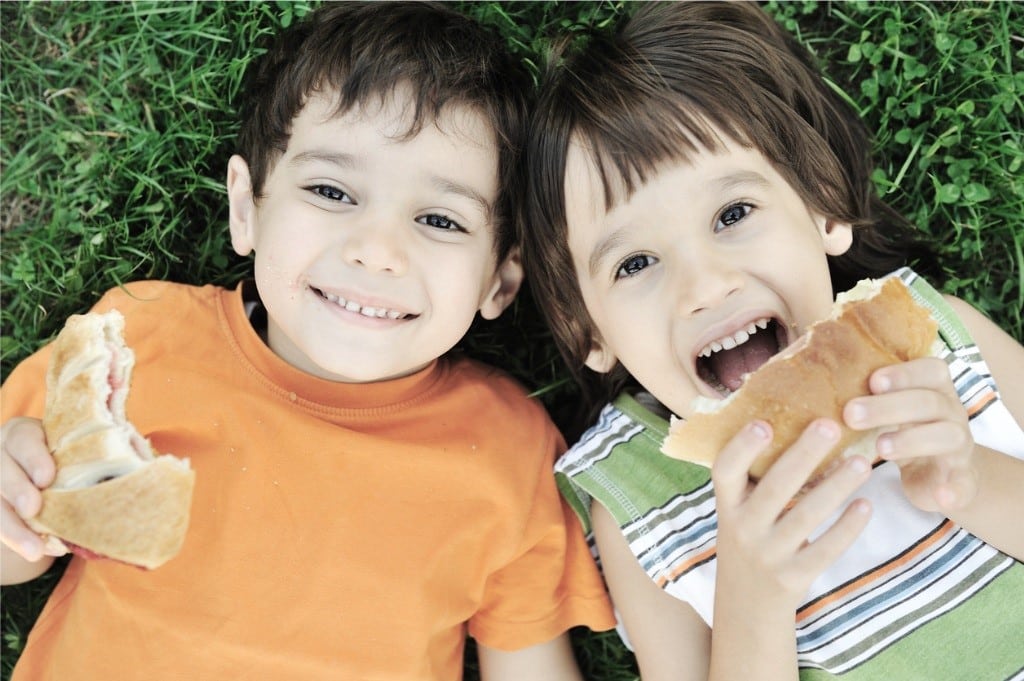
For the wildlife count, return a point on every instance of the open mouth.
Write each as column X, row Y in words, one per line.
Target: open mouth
column 723, row 364
column 365, row 310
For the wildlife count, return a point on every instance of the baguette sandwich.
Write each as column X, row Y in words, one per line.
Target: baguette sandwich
column 113, row 496
column 875, row 324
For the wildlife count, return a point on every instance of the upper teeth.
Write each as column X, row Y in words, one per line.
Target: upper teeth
column 365, row 310
column 738, row 338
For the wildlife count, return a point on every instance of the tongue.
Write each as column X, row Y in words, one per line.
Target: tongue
column 731, row 365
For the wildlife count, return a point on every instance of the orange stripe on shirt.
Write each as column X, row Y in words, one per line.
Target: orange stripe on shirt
column 878, row 574
column 681, row 569
column 983, row 401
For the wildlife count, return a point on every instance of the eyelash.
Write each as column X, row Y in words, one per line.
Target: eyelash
column 433, row 218
column 330, row 193
column 621, row 272
column 747, row 210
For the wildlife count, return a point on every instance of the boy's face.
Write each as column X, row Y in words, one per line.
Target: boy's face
column 698, row 259
column 374, row 254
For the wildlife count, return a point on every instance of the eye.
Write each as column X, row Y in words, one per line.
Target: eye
column 440, row 222
column 633, row 264
column 330, row 193
column 733, row 214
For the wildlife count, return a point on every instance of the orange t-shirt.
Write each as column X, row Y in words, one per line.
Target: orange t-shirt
column 337, row 530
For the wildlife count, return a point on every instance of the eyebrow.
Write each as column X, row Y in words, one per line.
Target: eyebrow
column 738, row 180
column 333, row 157
column 723, row 184
column 603, row 248
column 442, row 184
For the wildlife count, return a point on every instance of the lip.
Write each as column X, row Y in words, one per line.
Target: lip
column 367, row 309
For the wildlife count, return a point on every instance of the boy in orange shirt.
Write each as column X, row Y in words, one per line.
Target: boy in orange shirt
column 318, row 406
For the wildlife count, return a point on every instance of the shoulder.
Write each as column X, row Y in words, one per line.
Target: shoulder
column 163, row 308
column 491, row 388
column 140, row 297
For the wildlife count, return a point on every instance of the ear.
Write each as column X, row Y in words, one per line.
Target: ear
column 837, row 237
column 600, row 359
column 507, row 280
column 241, row 206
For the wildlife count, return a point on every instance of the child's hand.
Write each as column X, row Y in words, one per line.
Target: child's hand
column 764, row 550
column 26, row 466
column 932, row 443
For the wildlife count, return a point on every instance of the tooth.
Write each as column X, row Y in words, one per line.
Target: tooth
column 394, row 314
column 352, row 306
column 728, row 343
column 368, row 312
column 762, row 323
column 741, row 337
column 331, row 297
column 751, row 330
column 716, row 346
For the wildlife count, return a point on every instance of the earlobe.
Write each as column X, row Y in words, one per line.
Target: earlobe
column 507, row 280
column 600, row 359
column 837, row 237
column 241, row 207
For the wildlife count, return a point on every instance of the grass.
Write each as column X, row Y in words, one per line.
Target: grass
column 117, row 124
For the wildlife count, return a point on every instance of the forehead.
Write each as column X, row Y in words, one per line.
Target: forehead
column 393, row 116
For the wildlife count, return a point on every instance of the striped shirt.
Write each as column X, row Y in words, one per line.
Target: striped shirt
column 915, row 597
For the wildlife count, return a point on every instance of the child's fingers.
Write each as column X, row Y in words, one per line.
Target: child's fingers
column 791, row 471
column 912, row 392
column 18, row 490
column 23, row 441
column 18, row 536
column 926, row 372
column 819, row 503
column 938, row 438
column 960, row 489
column 731, row 469
column 817, row 555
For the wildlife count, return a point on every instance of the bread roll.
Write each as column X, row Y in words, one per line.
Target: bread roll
column 875, row 324
column 113, row 496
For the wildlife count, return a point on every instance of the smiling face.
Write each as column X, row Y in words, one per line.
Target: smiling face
column 374, row 252
column 704, row 272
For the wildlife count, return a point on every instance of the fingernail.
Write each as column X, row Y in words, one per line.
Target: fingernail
column 760, row 430
column 884, row 445
column 882, row 383
column 22, row 503
column 32, row 550
column 858, row 464
column 37, row 477
column 856, row 413
column 827, row 429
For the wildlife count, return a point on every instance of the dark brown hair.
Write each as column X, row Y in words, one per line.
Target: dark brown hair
column 362, row 52
column 647, row 93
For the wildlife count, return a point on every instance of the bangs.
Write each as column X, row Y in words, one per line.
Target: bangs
column 629, row 149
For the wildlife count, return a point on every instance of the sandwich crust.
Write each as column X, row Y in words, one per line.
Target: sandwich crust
column 138, row 518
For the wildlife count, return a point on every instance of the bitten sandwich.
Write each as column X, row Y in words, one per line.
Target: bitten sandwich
column 113, row 496
column 875, row 324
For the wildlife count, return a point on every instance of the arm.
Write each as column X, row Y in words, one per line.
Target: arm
column 941, row 467
column 551, row 661
column 26, row 466
column 669, row 638
column 999, row 503
column 765, row 565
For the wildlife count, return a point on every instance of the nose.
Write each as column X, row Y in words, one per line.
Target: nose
column 376, row 244
column 705, row 281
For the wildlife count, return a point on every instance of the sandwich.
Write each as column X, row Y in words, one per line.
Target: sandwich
column 113, row 495
column 875, row 324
